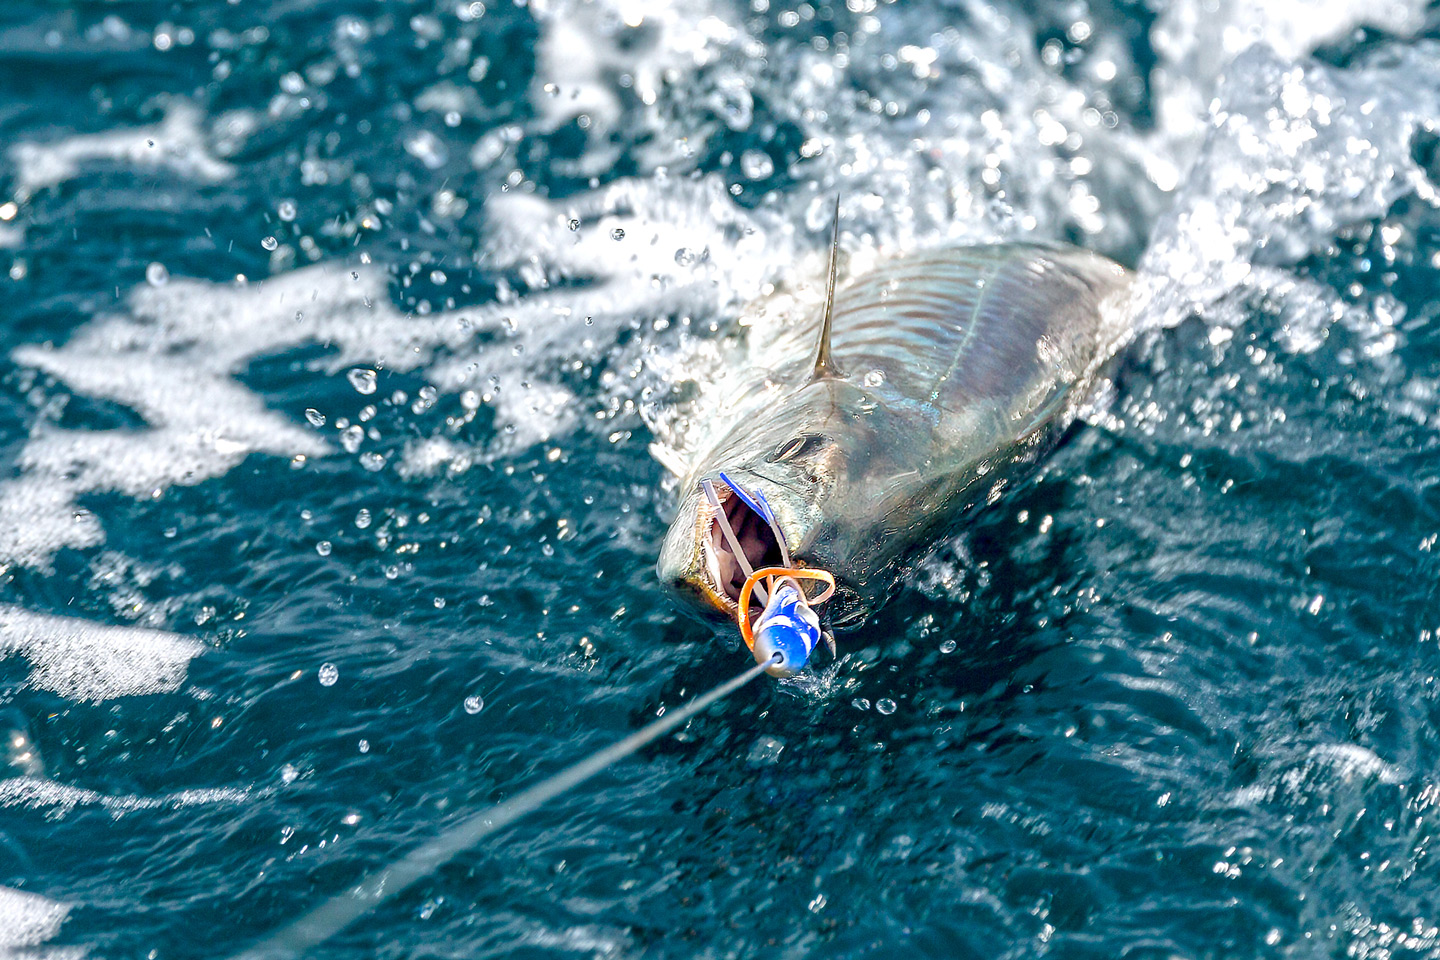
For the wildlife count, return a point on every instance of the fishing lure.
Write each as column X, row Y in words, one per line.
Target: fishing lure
column 787, row 630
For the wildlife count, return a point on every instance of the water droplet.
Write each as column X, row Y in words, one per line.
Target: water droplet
column 156, row 275
column 362, row 380
column 437, row 277
column 617, row 234
column 364, row 746
column 270, row 243
column 439, row 603
column 286, row 210
column 873, row 378
column 329, row 673
column 733, row 102
column 885, row 705
column 372, row 461
column 323, row 548
column 351, row 439
column 316, row 418
column 756, row 164
column 686, row 257
column 428, row 149
column 362, row 519
column 947, row 646
column 474, row 704
column 765, row 751
column 860, row 703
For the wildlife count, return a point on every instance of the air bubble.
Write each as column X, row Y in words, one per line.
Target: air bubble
column 860, row 703
column 474, row 704
column 323, row 548
column 947, row 646
column 362, row 380
column 315, row 417
column 574, row 224
column 885, row 705
column 270, row 243
column 362, row 519
column 329, row 673
column 156, row 275
column 286, row 210
column 756, row 164
column 351, row 439
column 617, row 234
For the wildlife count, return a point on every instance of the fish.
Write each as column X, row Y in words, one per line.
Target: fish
column 938, row 380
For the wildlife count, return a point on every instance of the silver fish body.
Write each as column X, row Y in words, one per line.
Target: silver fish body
column 950, row 373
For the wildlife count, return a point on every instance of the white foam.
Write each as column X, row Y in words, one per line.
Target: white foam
column 82, row 660
column 1196, row 42
column 685, row 253
column 173, row 359
column 177, row 143
column 1351, row 761
column 1294, row 154
column 28, row 919
column 36, row 793
column 586, row 47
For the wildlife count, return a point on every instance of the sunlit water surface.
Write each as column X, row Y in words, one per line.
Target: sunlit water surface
column 350, row 348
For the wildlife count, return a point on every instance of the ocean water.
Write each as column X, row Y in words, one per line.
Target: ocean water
column 349, row 352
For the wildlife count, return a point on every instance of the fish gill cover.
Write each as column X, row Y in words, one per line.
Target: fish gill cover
column 350, row 351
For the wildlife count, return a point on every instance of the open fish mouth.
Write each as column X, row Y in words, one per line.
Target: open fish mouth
column 726, row 563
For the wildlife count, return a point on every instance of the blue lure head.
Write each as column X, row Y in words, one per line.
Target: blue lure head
column 788, row 628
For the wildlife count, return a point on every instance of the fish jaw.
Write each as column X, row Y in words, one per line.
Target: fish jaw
column 697, row 561
column 687, row 564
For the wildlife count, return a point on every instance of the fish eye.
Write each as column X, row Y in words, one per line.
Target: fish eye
column 789, row 449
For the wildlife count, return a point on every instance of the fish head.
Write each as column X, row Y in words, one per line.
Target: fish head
column 808, row 459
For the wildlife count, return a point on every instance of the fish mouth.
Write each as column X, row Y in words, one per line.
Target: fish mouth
column 723, row 571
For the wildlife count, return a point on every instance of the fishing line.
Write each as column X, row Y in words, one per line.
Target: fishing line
column 335, row 914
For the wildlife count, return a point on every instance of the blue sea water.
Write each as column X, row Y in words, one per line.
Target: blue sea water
column 348, row 348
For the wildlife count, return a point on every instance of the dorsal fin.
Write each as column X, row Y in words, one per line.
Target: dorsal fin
column 825, row 367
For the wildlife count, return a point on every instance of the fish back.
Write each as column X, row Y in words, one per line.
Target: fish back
column 994, row 325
